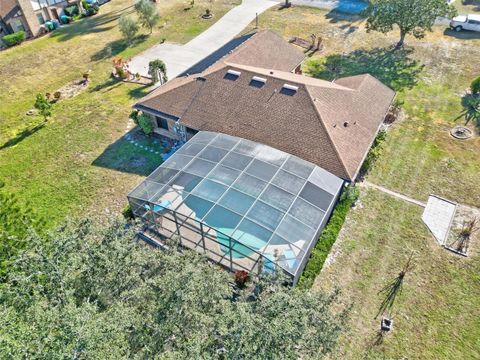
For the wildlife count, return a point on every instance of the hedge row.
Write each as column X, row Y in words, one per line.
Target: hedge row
column 327, row 238
column 14, row 39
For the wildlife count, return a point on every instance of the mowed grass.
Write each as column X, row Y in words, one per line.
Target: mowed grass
column 467, row 6
column 437, row 315
column 68, row 168
column 430, row 76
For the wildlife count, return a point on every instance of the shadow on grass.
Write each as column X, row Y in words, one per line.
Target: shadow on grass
column 392, row 290
column 394, row 68
column 462, row 35
column 140, row 92
column 91, row 25
column 108, row 85
column 126, row 157
column 116, row 47
column 22, row 136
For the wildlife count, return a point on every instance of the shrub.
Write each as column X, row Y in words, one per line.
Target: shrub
column 121, row 73
column 128, row 28
column 127, row 212
column 475, row 86
column 374, row 152
column 145, row 124
column 134, row 116
column 43, row 106
column 327, row 238
column 14, row 39
column 72, row 10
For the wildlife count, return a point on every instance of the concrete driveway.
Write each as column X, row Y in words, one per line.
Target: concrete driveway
column 180, row 58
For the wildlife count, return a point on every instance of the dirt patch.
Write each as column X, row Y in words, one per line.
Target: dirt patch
column 463, row 215
column 72, row 89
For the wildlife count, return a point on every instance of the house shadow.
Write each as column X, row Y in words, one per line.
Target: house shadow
column 394, row 68
column 140, row 92
column 114, row 48
column 91, row 25
column 22, row 136
column 462, row 35
column 218, row 54
column 133, row 153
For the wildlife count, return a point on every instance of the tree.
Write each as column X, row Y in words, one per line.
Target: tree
column 16, row 220
column 471, row 108
column 87, row 293
column 475, row 86
column 145, row 123
column 43, row 106
column 148, row 15
column 413, row 17
column 128, row 28
column 158, row 71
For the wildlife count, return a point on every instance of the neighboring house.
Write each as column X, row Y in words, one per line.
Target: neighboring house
column 29, row 15
column 257, row 93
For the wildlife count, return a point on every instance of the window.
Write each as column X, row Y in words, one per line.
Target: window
column 474, row 22
column 190, row 132
column 18, row 25
column 162, row 123
column 40, row 18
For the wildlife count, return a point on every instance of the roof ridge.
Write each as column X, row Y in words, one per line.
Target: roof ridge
column 329, row 135
column 275, row 74
column 239, row 48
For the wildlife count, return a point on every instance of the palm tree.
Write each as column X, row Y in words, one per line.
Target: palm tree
column 471, row 109
column 158, row 71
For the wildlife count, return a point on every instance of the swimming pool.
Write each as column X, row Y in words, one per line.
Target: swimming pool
column 219, row 219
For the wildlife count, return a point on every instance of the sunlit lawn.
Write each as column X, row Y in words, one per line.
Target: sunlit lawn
column 54, row 168
column 437, row 315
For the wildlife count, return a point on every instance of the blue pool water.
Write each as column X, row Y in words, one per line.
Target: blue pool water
column 225, row 222
column 239, row 251
column 351, row 6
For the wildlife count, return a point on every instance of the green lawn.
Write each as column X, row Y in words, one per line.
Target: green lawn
column 437, row 315
column 467, row 6
column 76, row 163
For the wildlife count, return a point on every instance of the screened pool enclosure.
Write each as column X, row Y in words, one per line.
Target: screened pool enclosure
column 245, row 205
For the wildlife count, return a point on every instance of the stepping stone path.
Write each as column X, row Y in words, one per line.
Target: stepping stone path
column 131, row 140
column 157, row 142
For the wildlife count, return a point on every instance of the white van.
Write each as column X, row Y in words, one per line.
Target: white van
column 466, row 22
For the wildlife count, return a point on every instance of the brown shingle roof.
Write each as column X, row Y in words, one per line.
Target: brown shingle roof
column 7, row 7
column 331, row 124
column 266, row 49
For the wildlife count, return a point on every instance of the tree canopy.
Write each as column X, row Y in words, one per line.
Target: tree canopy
column 85, row 293
column 128, row 28
column 413, row 17
column 158, row 71
column 148, row 15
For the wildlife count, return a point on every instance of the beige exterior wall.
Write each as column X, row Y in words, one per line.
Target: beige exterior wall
column 30, row 17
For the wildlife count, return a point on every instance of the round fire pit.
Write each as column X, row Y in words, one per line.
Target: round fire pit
column 461, row 132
